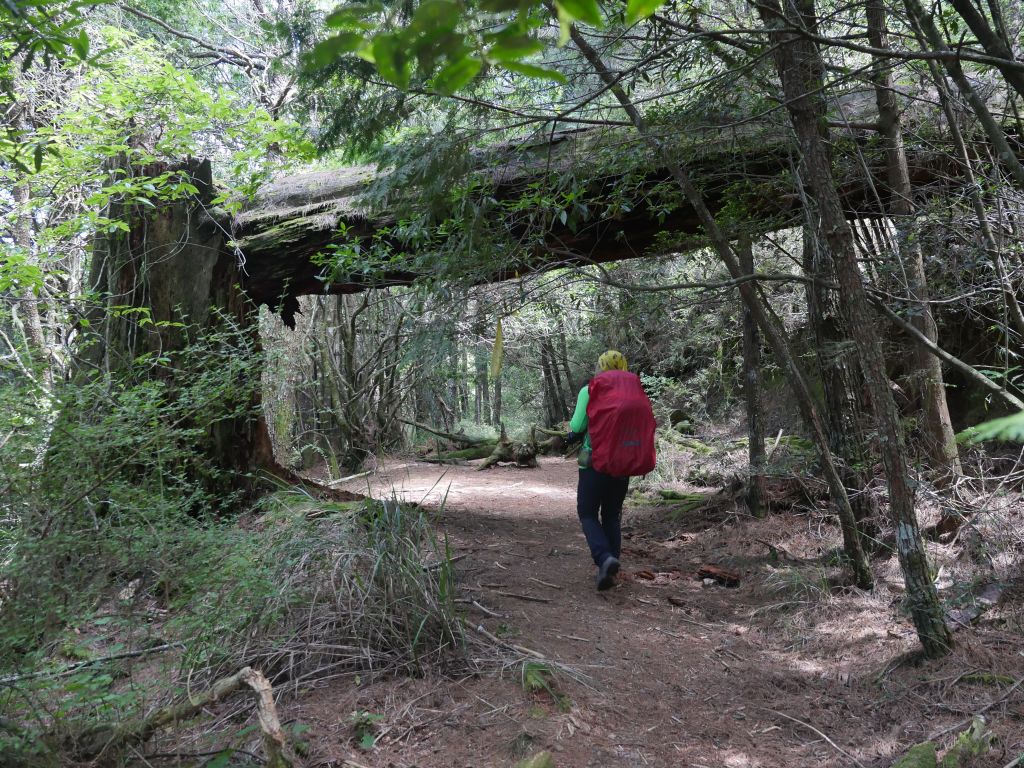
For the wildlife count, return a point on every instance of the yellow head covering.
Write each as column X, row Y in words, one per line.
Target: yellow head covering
column 612, row 360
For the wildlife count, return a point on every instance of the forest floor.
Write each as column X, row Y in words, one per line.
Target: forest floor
column 664, row 670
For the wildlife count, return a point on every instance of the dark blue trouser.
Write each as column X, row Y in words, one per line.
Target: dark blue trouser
column 599, row 500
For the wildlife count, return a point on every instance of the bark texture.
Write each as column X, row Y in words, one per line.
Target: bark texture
column 846, row 404
column 172, row 267
column 938, row 433
column 757, row 493
column 797, row 62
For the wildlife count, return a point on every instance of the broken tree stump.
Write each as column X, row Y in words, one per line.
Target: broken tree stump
column 521, row 454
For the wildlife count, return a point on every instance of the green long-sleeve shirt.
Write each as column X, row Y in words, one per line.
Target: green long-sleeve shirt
column 578, row 424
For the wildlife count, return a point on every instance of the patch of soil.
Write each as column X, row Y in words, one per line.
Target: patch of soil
column 788, row 669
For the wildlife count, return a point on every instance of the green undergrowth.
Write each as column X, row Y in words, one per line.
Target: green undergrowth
column 679, row 503
column 301, row 590
column 711, row 462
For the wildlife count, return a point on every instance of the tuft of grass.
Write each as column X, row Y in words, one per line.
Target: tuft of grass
column 538, row 677
column 808, row 585
column 366, row 589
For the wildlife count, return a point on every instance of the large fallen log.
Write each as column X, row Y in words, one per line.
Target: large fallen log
column 453, row 437
column 296, row 218
column 466, row 454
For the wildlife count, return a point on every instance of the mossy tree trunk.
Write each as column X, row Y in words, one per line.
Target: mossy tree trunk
column 157, row 285
column 846, row 405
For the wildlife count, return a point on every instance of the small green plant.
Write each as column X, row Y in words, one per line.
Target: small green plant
column 538, row 677
column 364, row 726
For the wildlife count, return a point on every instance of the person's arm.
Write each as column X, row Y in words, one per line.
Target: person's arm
column 578, row 423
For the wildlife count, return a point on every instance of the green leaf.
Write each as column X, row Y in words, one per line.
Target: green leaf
column 641, row 9
column 514, row 48
column 37, row 157
column 456, row 75
column 80, row 45
column 389, row 51
column 1007, row 429
column 435, row 16
column 352, row 16
column 587, row 11
column 221, row 759
column 564, row 27
column 532, row 70
column 328, row 51
column 367, row 741
column 501, row 6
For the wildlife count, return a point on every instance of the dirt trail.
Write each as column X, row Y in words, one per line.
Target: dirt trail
column 671, row 672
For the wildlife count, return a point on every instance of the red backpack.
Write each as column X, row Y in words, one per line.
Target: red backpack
column 621, row 425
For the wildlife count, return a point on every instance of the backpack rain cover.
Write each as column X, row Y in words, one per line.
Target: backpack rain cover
column 621, row 425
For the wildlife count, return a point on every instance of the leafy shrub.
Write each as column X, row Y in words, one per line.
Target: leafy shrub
column 125, row 535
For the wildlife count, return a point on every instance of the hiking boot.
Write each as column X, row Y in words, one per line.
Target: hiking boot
column 606, row 573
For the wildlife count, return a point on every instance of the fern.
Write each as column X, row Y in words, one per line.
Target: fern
column 1006, row 429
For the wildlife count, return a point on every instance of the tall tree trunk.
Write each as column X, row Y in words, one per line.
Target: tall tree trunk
column 563, row 355
column 170, row 265
column 557, row 391
column 480, row 356
column 841, row 379
column 940, row 440
column 846, row 401
column 463, row 381
column 756, row 484
column 798, row 64
column 763, row 316
column 547, row 387
column 28, row 307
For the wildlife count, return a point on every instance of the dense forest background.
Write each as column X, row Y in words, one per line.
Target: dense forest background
column 249, row 249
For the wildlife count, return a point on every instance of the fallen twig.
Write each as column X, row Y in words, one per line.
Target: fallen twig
column 486, row 610
column 100, row 739
column 495, row 639
column 956, row 726
column 343, row 480
column 439, row 563
column 546, row 583
column 529, row 598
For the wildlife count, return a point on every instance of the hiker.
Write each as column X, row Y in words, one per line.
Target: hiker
column 613, row 417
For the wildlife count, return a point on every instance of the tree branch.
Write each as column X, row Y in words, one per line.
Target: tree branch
column 960, row 365
column 234, row 56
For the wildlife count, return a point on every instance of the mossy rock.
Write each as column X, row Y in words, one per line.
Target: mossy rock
column 919, row 756
column 795, row 442
column 974, row 742
column 695, row 445
column 540, row 760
